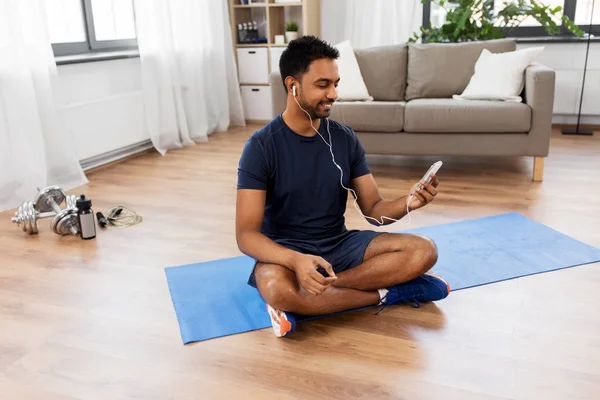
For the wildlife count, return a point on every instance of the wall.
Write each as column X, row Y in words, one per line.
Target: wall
column 567, row 59
column 102, row 105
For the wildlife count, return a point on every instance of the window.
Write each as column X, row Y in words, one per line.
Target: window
column 437, row 13
column 583, row 12
column 86, row 26
column 579, row 11
column 530, row 21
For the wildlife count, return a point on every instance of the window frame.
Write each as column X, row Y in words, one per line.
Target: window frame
column 569, row 7
column 91, row 45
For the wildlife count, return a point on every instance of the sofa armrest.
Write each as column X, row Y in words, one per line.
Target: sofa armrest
column 278, row 94
column 539, row 95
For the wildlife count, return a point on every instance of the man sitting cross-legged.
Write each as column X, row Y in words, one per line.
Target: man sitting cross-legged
column 291, row 205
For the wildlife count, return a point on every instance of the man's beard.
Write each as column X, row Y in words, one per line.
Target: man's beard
column 318, row 111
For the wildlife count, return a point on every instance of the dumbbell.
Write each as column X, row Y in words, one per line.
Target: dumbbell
column 46, row 204
column 29, row 212
column 28, row 216
column 65, row 221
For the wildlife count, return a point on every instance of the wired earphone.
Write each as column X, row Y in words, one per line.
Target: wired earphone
column 330, row 145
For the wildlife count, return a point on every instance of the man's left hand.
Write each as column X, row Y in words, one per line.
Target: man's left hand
column 424, row 193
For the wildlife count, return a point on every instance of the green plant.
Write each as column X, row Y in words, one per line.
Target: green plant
column 291, row 26
column 468, row 20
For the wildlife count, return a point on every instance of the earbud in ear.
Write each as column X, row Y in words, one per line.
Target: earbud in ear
column 294, row 90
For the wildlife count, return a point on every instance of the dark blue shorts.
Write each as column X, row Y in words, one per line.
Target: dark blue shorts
column 343, row 252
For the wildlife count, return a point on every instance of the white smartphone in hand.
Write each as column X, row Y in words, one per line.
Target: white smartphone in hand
column 431, row 171
column 427, row 177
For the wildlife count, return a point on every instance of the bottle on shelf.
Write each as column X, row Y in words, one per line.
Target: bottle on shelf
column 248, row 33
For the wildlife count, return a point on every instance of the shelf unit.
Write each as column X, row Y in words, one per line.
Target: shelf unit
column 255, row 61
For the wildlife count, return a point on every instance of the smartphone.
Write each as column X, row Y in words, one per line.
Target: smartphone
column 427, row 177
column 431, row 171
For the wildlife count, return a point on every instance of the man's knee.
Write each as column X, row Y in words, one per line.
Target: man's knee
column 425, row 253
column 419, row 251
column 275, row 286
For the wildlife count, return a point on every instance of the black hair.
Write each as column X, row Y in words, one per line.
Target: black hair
column 298, row 55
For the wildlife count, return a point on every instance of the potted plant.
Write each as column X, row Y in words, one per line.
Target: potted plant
column 468, row 20
column 291, row 31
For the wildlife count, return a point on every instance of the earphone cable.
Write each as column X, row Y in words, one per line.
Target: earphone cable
column 330, row 145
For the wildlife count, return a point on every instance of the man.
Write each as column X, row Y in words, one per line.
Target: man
column 291, row 205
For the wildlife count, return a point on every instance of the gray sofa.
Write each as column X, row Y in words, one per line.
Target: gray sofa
column 413, row 112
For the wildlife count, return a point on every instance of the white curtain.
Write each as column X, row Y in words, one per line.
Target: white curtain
column 190, row 82
column 371, row 23
column 35, row 148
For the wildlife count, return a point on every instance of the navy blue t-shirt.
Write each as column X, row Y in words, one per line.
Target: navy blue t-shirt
column 304, row 197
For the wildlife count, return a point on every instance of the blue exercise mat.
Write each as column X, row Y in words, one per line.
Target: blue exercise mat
column 212, row 299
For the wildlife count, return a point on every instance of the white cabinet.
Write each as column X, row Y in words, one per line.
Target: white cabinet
column 253, row 65
column 257, row 102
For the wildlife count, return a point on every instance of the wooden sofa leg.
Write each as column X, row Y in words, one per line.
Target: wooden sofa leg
column 538, row 169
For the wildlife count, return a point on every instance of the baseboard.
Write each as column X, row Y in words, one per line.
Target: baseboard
column 582, row 125
column 115, row 155
column 592, row 121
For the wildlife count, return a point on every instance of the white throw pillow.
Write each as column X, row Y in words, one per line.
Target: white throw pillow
column 499, row 76
column 352, row 86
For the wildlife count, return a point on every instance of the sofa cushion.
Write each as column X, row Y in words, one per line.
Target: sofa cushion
column 438, row 70
column 352, row 86
column 458, row 116
column 370, row 116
column 383, row 69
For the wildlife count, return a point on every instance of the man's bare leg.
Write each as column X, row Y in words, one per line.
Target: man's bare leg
column 280, row 289
column 390, row 259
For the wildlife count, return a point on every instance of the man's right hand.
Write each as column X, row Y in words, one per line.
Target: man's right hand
column 249, row 216
column 305, row 266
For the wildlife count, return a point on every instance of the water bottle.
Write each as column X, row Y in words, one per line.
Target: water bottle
column 85, row 216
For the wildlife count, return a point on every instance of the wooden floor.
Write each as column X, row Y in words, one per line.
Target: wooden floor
column 94, row 319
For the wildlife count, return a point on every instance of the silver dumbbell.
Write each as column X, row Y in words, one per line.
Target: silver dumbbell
column 65, row 221
column 27, row 216
column 46, row 204
column 29, row 212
